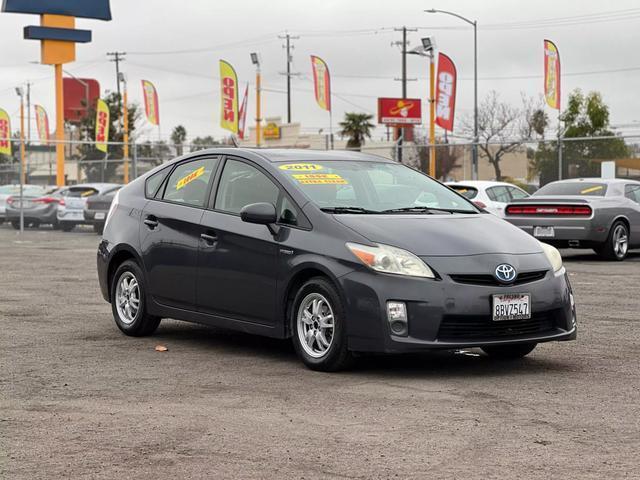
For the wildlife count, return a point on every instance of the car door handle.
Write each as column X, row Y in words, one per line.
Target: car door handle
column 151, row 222
column 210, row 240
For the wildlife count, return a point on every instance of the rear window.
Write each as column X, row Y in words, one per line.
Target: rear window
column 467, row 192
column 81, row 192
column 27, row 190
column 591, row 189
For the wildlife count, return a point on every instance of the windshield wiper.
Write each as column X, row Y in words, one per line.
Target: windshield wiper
column 425, row 210
column 347, row 210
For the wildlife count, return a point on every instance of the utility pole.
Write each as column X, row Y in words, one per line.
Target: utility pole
column 28, row 112
column 118, row 57
column 404, row 44
column 288, row 46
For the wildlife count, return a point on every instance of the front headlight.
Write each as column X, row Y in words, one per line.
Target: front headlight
column 386, row 259
column 553, row 255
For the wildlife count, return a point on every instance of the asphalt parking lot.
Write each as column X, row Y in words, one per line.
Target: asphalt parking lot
column 80, row 400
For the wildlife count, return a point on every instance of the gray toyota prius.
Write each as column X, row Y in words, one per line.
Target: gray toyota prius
column 342, row 252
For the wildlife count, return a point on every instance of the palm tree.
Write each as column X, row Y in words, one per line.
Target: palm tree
column 178, row 136
column 356, row 127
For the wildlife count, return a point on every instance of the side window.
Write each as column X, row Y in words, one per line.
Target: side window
column 517, row 193
column 241, row 185
column 189, row 182
column 154, row 181
column 632, row 192
column 499, row 194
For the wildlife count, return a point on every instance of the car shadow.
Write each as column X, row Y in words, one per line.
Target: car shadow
column 433, row 364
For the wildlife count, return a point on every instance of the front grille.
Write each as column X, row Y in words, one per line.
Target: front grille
column 480, row 327
column 485, row 279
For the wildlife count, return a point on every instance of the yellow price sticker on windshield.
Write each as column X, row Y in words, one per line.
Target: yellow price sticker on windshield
column 301, row 167
column 320, row 179
column 184, row 181
column 591, row 189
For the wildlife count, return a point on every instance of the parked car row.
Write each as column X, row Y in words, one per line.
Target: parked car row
column 62, row 208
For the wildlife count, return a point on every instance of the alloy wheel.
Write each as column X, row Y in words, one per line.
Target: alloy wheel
column 315, row 325
column 620, row 241
column 128, row 298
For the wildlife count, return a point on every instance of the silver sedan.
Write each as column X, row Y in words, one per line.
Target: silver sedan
column 602, row 214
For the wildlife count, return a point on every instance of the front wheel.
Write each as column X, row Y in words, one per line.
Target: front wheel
column 319, row 329
column 128, row 295
column 616, row 246
column 509, row 352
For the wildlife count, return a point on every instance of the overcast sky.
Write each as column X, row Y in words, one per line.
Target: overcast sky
column 177, row 45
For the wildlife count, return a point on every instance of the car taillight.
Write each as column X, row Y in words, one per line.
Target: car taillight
column 479, row 204
column 10, row 200
column 61, row 202
column 46, row 200
column 567, row 210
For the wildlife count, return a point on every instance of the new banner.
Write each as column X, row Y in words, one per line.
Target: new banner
column 551, row 74
column 102, row 125
column 151, row 105
column 321, row 82
column 243, row 113
column 229, row 117
column 5, row 133
column 42, row 122
column 445, row 92
column 399, row 111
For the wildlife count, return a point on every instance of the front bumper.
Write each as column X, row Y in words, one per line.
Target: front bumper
column 444, row 314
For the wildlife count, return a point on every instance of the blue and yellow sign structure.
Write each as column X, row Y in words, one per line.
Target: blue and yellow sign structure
column 58, row 37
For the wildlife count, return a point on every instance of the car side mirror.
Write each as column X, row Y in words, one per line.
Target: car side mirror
column 259, row 213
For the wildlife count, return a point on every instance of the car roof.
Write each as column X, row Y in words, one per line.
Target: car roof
column 275, row 155
column 480, row 184
column 607, row 181
column 97, row 186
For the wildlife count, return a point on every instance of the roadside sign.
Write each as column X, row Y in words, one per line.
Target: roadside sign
column 399, row 111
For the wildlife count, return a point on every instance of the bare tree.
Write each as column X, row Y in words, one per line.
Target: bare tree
column 502, row 127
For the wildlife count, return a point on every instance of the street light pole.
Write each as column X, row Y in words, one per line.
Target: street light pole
column 20, row 93
column 255, row 59
column 474, row 24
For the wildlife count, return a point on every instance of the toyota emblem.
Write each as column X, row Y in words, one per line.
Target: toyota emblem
column 505, row 273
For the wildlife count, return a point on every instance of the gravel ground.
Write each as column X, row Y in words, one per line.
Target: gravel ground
column 80, row 400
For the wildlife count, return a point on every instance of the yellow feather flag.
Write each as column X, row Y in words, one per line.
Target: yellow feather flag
column 5, row 133
column 229, row 95
column 102, row 125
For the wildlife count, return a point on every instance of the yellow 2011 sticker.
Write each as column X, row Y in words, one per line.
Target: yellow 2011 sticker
column 320, row 179
column 591, row 189
column 301, row 167
column 184, row 181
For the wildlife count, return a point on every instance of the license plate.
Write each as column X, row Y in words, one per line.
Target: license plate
column 74, row 215
column 511, row 306
column 100, row 216
column 544, row 232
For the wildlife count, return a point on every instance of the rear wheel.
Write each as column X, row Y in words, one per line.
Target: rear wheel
column 15, row 224
column 66, row 226
column 319, row 329
column 509, row 352
column 128, row 301
column 617, row 245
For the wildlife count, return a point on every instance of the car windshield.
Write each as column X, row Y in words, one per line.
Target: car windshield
column 591, row 189
column 373, row 187
column 466, row 192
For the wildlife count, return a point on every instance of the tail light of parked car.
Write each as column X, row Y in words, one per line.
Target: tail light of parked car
column 550, row 210
column 46, row 200
column 61, row 202
column 10, row 200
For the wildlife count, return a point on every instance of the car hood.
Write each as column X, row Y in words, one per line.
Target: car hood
column 443, row 235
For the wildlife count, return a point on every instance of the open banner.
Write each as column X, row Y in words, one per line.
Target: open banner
column 151, row 104
column 229, row 116
column 321, row 82
column 5, row 133
column 42, row 122
column 102, row 125
column 551, row 74
column 446, row 81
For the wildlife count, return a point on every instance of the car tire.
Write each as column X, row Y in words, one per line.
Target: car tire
column 55, row 225
column 318, row 315
column 66, row 227
column 509, row 352
column 128, row 301
column 98, row 228
column 15, row 224
column 616, row 247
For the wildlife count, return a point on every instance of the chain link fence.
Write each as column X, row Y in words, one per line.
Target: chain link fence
column 529, row 164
